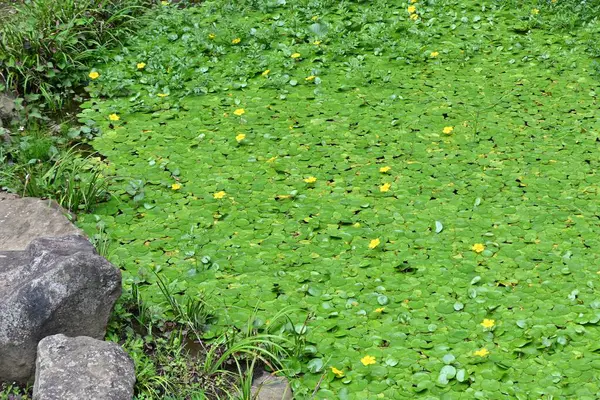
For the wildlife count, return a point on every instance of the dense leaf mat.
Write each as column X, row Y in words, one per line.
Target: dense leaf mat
column 421, row 181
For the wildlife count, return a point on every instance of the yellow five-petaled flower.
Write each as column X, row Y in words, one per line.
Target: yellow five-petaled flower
column 310, row 78
column 114, row 117
column 448, row 130
column 374, row 243
column 368, row 360
column 176, row 186
column 379, row 310
column 384, row 169
column 239, row 112
column 295, row 55
column 266, row 72
column 482, row 353
column 162, row 94
column 478, row 247
column 240, row 136
column 385, row 187
column 434, row 54
column 412, row 9
column 310, row 179
column 219, row 195
column 488, row 323
column 236, row 40
column 141, row 65
column 211, row 36
column 337, row 372
column 94, row 75
column 535, row 11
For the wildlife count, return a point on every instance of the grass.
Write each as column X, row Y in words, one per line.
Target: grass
column 45, row 50
column 46, row 46
column 401, row 176
column 173, row 361
column 75, row 182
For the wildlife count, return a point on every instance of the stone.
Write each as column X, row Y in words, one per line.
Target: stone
column 24, row 219
column 6, row 196
column 56, row 285
column 270, row 387
column 82, row 368
column 7, row 107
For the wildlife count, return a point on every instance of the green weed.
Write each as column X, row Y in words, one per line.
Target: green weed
column 75, row 182
column 173, row 361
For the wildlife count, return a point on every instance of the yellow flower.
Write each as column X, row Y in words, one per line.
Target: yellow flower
column 272, row 159
column 310, row 179
column 240, row 137
column 164, row 3
column 314, row 18
column 478, row 248
column 368, row 360
column 535, row 11
column 374, row 243
column 219, row 195
column 413, row 1
column 114, row 117
column 434, row 54
column 412, row 9
column 236, row 40
column 94, row 75
column 384, row 169
column 141, row 65
column 338, row 373
column 385, row 187
column 310, row 78
column 414, row 17
column 379, row 310
column 239, row 112
column 317, row 42
column 266, row 72
column 295, row 55
column 176, row 186
column 482, row 353
column 211, row 36
column 162, row 94
column 488, row 323
column 448, row 130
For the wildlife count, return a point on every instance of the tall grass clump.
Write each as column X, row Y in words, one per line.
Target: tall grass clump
column 73, row 181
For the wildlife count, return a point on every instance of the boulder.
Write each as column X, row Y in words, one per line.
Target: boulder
column 56, row 285
column 270, row 387
column 22, row 220
column 82, row 368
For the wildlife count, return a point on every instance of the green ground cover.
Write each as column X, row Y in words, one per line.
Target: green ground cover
column 421, row 183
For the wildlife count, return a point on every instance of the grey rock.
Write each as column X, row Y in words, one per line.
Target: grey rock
column 57, row 285
column 7, row 107
column 22, row 220
column 6, row 196
column 82, row 368
column 269, row 387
